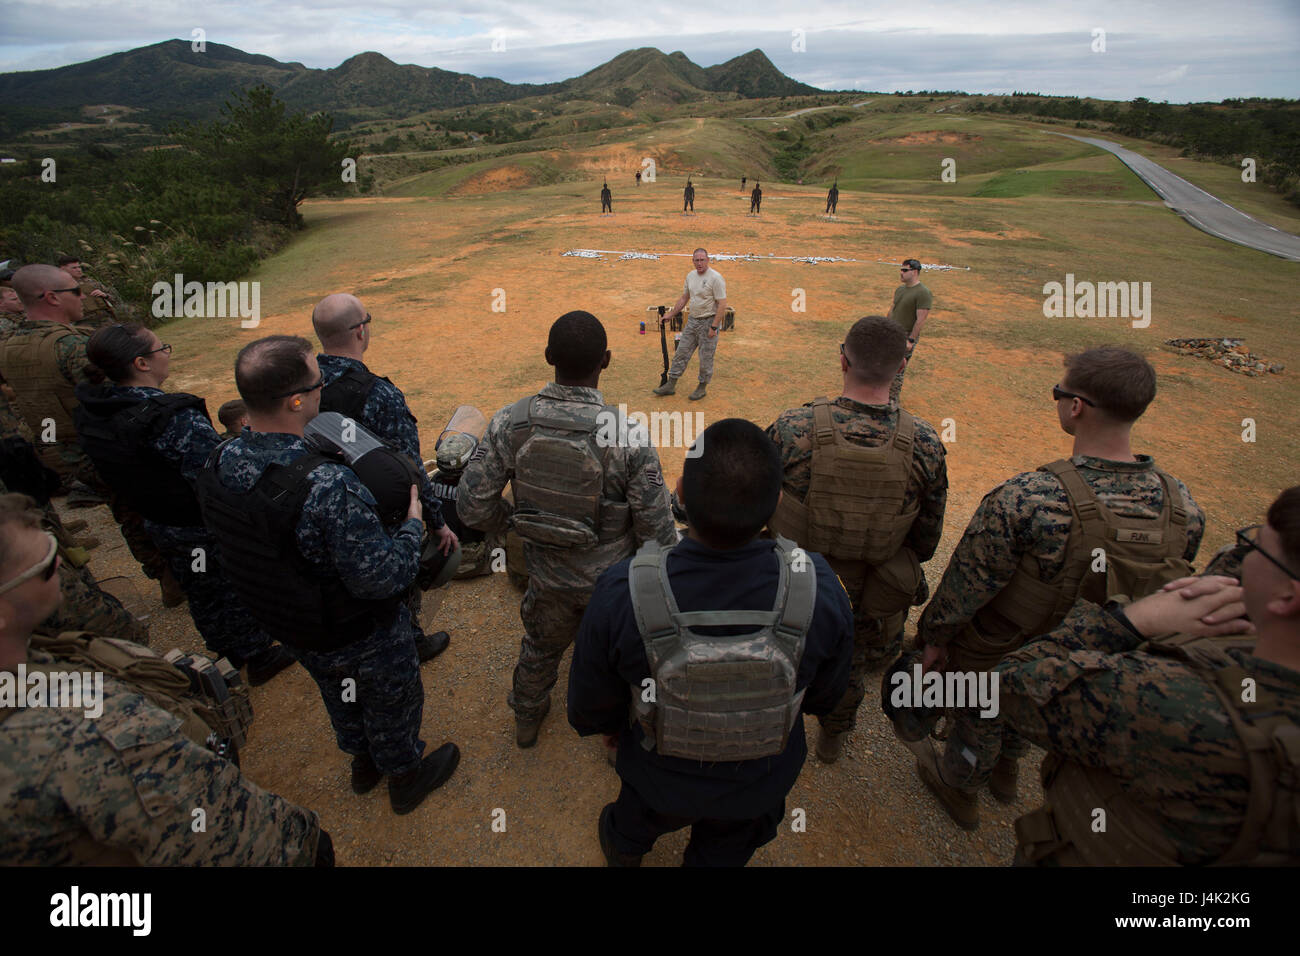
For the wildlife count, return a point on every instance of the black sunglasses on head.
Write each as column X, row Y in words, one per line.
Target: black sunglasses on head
column 1059, row 393
column 161, row 348
column 365, row 321
column 300, row 391
column 1248, row 538
column 76, row 289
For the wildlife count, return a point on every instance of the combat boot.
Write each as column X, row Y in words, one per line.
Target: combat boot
column 962, row 805
column 526, row 728
column 173, row 595
column 605, row 833
column 365, row 775
column 406, row 791
column 829, row 746
column 429, row 646
column 667, row 389
column 696, row 395
column 1003, row 781
column 266, row 664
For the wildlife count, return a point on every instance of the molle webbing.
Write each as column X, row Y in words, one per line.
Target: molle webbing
column 720, row 698
column 854, row 508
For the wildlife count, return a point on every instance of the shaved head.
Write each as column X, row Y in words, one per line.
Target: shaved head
column 335, row 318
column 32, row 282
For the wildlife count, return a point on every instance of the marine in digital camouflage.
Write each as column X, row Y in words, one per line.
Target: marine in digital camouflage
column 120, row 789
column 227, row 627
column 874, row 639
column 1087, row 692
column 561, row 580
column 339, row 531
column 1026, row 515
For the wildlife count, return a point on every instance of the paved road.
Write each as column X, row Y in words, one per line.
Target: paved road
column 1202, row 210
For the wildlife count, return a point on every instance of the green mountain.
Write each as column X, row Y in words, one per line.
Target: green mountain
column 169, row 80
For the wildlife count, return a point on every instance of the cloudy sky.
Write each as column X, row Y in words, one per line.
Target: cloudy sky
column 1176, row 50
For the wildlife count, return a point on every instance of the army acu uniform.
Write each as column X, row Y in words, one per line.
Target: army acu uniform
column 122, row 788
column 907, row 299
column 354, row 391
column 866, row 486
column 44, row 362
column 721, row 746
column 704, row 292
column 324, row 577
column 149, row 447
column 1158, row 735
column 578, row 507
column 1028, row 553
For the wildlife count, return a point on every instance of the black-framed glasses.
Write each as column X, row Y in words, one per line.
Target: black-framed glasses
column 75, row 288
column 846, row 356
column 161, row 348
column 1059, row 393
column 46, row 568
column 301, row 391
column 1248, row 538
column 365, row 321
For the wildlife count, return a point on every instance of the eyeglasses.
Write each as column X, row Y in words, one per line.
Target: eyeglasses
column 905, row 269
column 1248, row 538
column 161, row 348
column 76, row 289
column 1059, row 393
column 365, row 321
column 49, row 564
column 301, row 391
column 846, row 356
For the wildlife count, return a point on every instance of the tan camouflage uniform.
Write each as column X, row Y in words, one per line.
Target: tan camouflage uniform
column 1087, row 693
column 120, row 789
column 874, row 639
column 1025, row 515
column 560, row 581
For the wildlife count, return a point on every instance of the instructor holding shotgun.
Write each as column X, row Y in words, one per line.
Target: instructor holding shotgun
column 707, row 293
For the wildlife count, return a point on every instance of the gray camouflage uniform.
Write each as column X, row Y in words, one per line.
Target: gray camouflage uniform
column 561, row 581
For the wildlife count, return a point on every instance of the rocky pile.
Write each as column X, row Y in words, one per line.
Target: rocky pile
column 1228, row 353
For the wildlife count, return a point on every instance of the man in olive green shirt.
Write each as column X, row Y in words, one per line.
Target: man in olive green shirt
column 912, row 302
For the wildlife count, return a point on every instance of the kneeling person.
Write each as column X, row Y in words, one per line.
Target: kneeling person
column 719, row 739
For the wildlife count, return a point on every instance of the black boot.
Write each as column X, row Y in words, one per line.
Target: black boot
column 406, row 791
column 266, row 664
column 365, row 775
column 429, row 646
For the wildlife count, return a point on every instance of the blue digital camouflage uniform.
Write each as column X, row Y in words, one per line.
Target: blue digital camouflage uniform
column 874, row 639
column 1088, row 693
column 387, row 415
column 340, row 533
column 1025, row 515
column 227, row 628
column 561, row 581
column 122, row 788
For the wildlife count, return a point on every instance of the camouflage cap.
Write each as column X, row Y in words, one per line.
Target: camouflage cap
column 455, row 451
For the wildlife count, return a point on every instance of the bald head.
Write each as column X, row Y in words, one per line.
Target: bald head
column 36, row 285
column 337, row 320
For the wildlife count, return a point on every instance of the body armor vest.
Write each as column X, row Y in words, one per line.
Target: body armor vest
column 560, row 477
column 32, row 368
column 1062, row 831
column 720, row 698
column 259, row 553
column 118, row 434
column 1137, row 556
column 348, row 393
column 854, row 509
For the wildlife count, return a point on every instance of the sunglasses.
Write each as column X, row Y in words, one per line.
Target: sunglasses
column 301, row 391
column 1248, row 538
column 76, row 289
column 846, row 355
column 161, row 348
column 365, row 321
column 46, row 569
column 1059, row 393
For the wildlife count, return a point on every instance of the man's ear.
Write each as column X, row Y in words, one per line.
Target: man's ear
column 1286, row 604
column 549, row 360
column 604, row 363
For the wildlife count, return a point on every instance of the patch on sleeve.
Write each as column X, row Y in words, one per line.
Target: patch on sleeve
column 654, row 477
column 479, row 452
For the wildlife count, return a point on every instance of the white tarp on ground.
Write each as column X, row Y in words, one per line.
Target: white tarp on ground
column 623, row 254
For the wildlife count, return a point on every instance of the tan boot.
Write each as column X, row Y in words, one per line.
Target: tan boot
column 1003, row 781
column 526, row 729
column 962, row 805
column 829, row 746
column 668, row 388
column 696, row 395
